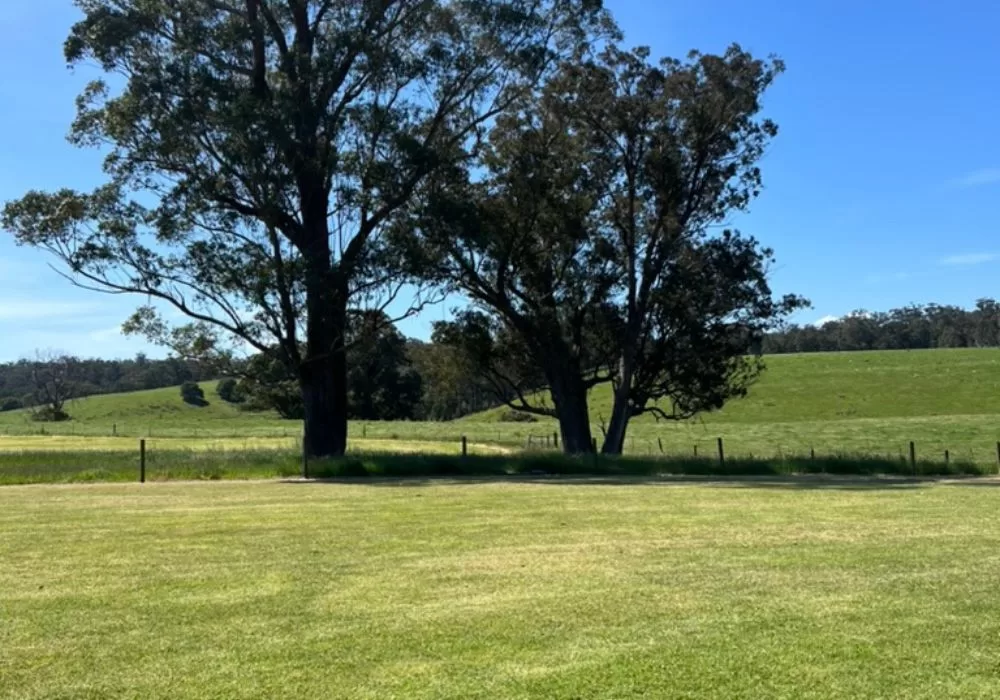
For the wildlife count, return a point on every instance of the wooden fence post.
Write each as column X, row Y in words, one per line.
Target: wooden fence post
column 913, row 456
column 946, row 458
column 593, row 444
column 659, row 441
column 142, row 461
column 465, row 447
column 305, row 458
column 722, row 453
column 555, row 440
column 695, row 450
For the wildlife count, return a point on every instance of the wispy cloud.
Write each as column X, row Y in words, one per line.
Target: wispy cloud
column 966, row 259
column 819, row 323
column 977, row 178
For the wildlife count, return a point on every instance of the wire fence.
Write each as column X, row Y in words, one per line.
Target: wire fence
column 120, row 458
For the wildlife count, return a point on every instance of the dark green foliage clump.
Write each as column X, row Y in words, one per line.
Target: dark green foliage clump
column 229, row 391
column 193, row 394
column 11, row 404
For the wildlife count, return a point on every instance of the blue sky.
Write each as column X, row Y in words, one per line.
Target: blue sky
column 880, row 189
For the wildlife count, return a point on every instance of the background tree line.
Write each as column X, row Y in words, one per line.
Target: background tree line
column 908, row 328
column 23, row 383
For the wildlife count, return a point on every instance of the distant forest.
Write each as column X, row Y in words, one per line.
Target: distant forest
column 909, row 328
column 20, row 381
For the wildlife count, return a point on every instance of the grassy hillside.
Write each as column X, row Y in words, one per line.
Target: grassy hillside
column 843, row 386
column 870, row 403
column 157, row 411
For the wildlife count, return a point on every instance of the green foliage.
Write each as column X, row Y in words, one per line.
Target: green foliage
column 256, row 154
column 229, row 390
column 907, row 328
column 381, row 381
column 193, row 394
column 450, row 388
column 587, row 241
column 11, row 404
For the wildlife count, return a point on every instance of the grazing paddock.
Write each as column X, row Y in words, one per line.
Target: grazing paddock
column 858, row 404
column 611, row 588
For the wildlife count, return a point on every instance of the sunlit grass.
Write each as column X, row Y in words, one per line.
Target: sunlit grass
column 752, row 589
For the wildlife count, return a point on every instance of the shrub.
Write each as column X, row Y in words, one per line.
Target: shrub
column 230, row 391
column 512, row 416
column 11, row 404
column 47, row 414
column 193, row 394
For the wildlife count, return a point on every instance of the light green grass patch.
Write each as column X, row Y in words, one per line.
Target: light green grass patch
column 65, row 443
column 749, row 589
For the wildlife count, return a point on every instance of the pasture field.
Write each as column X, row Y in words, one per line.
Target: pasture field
column 869, row 404
column 500, row 589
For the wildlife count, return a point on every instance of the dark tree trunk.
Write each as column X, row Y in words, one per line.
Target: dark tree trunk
column 621, row 412
column 323, row 375
column 570, row 398
column 614, row 440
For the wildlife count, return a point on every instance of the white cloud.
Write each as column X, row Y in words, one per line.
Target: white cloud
column 819, row 323
column 977, row 178
column 31, row 309
column 966, row 259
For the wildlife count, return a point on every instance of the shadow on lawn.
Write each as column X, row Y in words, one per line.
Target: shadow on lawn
column 787, row 483
column 841, row 473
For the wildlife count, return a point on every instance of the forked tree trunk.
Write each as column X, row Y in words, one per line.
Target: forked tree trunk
column 614, row 440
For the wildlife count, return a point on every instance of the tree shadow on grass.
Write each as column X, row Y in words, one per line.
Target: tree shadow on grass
column 988, row 482
column 841, row 472
column 778, row 483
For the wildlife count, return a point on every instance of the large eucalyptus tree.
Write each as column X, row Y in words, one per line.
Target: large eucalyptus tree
column 593, row 241
column 257, row 150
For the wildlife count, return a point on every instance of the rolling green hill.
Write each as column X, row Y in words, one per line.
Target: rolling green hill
column 869, row 403
column 840, row 386
column 157, row 411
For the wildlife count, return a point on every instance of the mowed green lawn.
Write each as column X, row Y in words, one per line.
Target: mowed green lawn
column 754, row 589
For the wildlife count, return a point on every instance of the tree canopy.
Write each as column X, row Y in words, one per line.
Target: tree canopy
column 589, row 241
column 258, row 149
